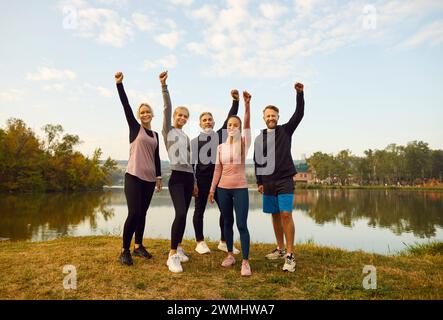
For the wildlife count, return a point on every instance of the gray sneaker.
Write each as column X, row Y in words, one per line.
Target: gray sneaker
column 289, row 263
column 276, row 254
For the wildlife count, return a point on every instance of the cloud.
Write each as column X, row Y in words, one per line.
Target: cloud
column 45, row 74
column 102, row 91
column 432, row 35
column 167, row 62
column 206, row 12
column 185, row 3
column 143, row 22
column 103, row 25
column 54, row 87
column 169, row 40
column 267, row 42
column 272, row 10
column 11, row 95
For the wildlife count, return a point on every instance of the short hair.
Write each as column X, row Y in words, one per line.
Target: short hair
column 272, row 108
column 182, row 108
column 205, row 114
column 144, row 104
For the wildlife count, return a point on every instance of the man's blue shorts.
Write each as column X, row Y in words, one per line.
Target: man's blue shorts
column 278, row 195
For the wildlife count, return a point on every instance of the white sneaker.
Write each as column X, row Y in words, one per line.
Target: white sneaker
column 223, row 247
column 289, row 263
column 202, row 248
column 181, row 254
column 174, row 264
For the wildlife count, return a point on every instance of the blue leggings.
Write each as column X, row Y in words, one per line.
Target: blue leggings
column 238, row 199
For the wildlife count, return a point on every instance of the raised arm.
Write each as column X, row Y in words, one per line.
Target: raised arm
column 232, row 112
column 296, row 118
column 167, row 107
column 247, row 121
column 132, row 121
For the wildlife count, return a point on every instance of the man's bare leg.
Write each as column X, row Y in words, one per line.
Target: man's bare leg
column 278, row 230
column 288, row 229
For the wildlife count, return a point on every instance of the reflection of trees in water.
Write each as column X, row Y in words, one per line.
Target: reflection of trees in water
column 399, row 211
column 24, row 216
column 163, row 199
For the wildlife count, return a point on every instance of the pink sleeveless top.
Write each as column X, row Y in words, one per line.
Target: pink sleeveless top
column 229, row 172
column 142, row 156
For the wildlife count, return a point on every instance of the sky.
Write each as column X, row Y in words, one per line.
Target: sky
column 372, row 70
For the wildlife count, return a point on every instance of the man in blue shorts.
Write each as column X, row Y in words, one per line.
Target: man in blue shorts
column 274, row 170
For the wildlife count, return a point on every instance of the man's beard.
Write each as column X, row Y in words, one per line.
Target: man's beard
column 271, row 124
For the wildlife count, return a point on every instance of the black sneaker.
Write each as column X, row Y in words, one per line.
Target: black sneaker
column 125, row 258
column 142, row 252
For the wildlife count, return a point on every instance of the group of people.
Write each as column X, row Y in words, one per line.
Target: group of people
column 211, row 167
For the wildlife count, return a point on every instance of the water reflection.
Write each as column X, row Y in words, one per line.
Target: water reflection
column 400, row 211
column 31, row 217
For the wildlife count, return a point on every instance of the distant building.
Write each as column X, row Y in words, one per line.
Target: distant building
column 303, row 174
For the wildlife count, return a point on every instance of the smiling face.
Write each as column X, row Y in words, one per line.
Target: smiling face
column 234, row 127
column 145, row 114
column 206, row 121
column 181, row 115
column 271, row 116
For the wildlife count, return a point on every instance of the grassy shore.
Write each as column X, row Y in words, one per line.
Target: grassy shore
column 34, row 271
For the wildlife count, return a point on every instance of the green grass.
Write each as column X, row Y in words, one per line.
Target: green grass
column 421, row 249
column 34, row 271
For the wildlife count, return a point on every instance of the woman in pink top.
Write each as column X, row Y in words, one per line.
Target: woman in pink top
column 231, row 185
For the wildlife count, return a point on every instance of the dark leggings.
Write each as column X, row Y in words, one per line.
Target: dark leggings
column 181, row 187
column 238, row 199
column 204, row 185
column 138, row 198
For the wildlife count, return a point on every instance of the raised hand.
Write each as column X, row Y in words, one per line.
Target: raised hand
column 299, row 87
column 246, row 97
column 163, row 76
column 235, row 95
column 118, row 77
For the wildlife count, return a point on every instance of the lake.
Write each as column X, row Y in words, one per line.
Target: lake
column 372, row 220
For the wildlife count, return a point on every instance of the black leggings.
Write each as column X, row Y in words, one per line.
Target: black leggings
column 204, row 186
column 138, row 197
column 181, row 187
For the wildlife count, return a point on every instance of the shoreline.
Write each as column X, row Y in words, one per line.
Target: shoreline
column 250, row 187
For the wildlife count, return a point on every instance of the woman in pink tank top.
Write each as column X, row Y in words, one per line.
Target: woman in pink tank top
column 143, row 174
column 230, row 183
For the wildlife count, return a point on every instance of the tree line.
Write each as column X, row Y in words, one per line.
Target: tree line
column 412, row 164
column 31, row 164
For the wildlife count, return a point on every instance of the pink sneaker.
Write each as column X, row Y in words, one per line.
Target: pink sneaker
column 228, row 262
column 245, row 269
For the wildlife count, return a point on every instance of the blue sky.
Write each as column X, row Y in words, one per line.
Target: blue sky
column 372, row 69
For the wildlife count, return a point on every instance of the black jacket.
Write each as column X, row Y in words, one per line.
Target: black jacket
column 211, row 141
column 280, row 164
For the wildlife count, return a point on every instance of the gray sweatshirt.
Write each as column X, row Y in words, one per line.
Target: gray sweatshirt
column 177, row 142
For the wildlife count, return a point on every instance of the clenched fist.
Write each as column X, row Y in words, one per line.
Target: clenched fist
column 235, row 95
column 299, row 87
column 118, row 77
column 163, row 76
column 246, row 96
